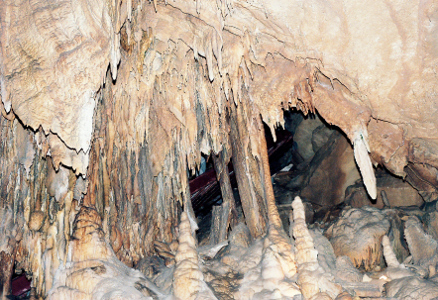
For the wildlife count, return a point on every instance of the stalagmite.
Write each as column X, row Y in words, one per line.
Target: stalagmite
column 311, row 277
column 188, row 280
column 105, row 105
column 92, row 271
column 394, row 269
column 272, row 277
column 388, row 252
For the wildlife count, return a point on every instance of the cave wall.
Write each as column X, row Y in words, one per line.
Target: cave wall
column 128, row 94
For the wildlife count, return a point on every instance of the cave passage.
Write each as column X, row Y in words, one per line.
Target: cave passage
column 311, row 130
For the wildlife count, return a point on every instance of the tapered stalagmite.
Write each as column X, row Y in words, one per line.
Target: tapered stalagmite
column 311, row 277
column 272, row 277
column 394, row 270
column 188, row 280
column 390, row 258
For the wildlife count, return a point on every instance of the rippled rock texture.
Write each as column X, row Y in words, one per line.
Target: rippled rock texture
column 108, row 106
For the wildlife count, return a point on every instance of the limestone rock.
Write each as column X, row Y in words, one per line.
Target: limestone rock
column 431, row 222
column 330, row 172
column 412, row 288
column 320, row 136
column 422, row 246
column 358, row 234
column 304, row 134
column 399, row 193
column 344, row 296
column 346, row 271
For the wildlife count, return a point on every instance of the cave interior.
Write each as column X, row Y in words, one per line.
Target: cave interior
column 222, row 149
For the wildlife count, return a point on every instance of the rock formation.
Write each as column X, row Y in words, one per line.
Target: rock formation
column 108, row 106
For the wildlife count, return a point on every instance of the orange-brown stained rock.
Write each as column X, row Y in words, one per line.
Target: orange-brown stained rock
column 172, row 100
column 389, row 146
column 36, row 220
column 344, row 296
column 367, row 85
column 376, row 80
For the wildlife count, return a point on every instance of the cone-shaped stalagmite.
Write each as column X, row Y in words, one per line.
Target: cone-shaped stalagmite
column 311, row 277
column 188, row 280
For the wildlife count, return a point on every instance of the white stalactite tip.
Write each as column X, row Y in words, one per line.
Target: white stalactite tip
column 363, row 161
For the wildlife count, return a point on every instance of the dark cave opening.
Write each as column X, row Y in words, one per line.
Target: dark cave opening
column 283, row 158
column 301, row 149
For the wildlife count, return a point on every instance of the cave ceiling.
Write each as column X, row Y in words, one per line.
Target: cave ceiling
column 367, row 68
column 112, row 101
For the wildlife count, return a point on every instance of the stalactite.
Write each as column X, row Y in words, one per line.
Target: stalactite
column 225, row 216
column 248, row 169
column 8, row 250
column 62, row 56
column 363, row 160
column 191, row 78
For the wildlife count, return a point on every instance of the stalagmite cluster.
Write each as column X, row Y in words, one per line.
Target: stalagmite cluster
column 109, row 107
column 92, row 271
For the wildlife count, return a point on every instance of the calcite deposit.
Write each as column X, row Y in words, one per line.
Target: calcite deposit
column 109, row 107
